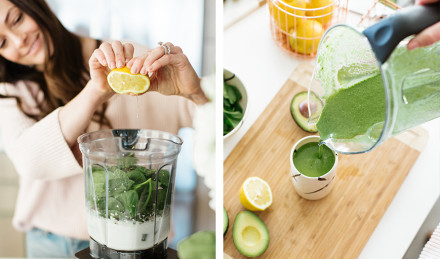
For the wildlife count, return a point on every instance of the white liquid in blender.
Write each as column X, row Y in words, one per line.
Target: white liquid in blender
column 127, row 235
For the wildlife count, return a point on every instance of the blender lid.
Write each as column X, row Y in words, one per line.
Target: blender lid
column 108, row 143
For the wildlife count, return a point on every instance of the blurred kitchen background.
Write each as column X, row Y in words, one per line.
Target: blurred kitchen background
column 189, row 24
column 235, row 10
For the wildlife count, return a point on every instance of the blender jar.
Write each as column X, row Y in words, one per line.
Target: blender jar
column 129, row 180
column 408, row 82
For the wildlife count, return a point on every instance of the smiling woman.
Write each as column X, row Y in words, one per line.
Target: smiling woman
column 53, row 87
column 22, row 41
column 28, row 33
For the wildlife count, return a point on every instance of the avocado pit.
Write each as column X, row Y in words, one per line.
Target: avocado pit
column 299, row 109
column 304, row 108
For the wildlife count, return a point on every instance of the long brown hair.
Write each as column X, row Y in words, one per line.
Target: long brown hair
column 65, row 73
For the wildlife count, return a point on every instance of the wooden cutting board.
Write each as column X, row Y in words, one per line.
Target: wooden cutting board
column 337, row 226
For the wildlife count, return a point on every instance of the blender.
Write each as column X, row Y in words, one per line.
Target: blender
column 129, row 181
column 371, row 86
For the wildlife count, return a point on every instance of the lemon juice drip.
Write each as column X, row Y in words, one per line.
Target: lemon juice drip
column 137, row 110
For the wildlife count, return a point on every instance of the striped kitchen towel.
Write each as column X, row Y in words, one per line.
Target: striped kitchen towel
column 432, row 247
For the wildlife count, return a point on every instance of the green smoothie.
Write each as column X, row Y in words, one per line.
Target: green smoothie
column 308, row 161
column 354, row 93
column 353, row 111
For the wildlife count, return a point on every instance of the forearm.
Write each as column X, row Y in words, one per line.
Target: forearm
column 37, row 149
column 76, row 115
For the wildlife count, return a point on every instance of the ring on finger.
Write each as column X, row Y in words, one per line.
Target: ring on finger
column 166, row 48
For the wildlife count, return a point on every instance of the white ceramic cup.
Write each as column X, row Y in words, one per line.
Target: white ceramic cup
column 311, row 188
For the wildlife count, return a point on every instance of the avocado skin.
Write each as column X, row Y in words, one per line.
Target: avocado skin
column 296, row 114
column 225, row 221
column 245, row 219
column 200, row 245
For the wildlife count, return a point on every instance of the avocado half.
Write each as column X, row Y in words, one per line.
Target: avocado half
column 299, row 110
column 250, row 234
column 200, row 245
column 225, row 221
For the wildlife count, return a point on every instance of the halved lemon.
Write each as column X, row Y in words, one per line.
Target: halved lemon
column 122, row 81
column 255, row 194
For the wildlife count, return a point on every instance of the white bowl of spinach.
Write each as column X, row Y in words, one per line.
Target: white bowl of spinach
column 235, row 102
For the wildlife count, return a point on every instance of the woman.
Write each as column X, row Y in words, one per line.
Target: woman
column 54, row 88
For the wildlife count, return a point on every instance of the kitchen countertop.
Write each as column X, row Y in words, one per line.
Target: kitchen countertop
column 250, row 52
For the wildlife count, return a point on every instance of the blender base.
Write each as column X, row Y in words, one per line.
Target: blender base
column 97, row 250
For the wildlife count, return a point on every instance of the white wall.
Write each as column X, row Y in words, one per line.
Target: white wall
column 144, row 21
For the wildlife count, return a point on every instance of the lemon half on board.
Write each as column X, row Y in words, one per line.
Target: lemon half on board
column 122, row 81
column 255, row 194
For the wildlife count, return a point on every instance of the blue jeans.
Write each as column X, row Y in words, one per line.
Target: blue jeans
column 40, row 243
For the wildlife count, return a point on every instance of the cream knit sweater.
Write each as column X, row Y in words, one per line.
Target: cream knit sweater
column 51, row 195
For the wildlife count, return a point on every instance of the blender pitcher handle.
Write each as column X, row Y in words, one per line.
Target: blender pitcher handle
column 386, row 34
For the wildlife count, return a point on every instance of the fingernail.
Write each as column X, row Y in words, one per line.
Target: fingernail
column 104, row 62
column 150, row 69
column 143, row 71
column 413, row 44
column 133, row 70
column 120, row 64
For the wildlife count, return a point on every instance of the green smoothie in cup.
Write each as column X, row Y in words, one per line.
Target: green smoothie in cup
column 313, row 160
column 312, row 171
